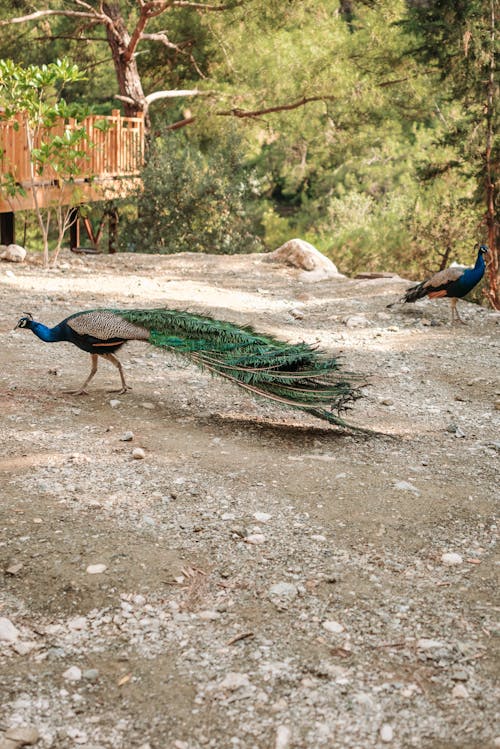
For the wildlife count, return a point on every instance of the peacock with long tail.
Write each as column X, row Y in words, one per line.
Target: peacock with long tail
column 296, row 375
column 454, row 283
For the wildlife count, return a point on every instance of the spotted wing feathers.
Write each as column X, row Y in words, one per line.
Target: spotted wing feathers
column 106, row 325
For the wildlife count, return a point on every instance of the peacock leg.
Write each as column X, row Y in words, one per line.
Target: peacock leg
column 93, row 370
column 455, row 317
column 112, row 358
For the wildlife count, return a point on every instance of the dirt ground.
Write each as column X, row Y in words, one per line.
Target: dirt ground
column 257, row 579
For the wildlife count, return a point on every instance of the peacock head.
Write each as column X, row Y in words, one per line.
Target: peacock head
column 483, row 249
column 25, row 322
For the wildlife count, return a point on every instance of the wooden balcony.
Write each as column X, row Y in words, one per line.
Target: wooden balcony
column 110, row 169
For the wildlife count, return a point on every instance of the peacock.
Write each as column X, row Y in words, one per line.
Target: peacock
column 296, row 375
column 454, row 283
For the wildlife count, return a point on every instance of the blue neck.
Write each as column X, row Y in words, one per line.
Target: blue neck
column 480, row 262
column 49, row 335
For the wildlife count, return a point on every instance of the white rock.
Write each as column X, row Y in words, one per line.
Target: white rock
column 96, row 569
column 302, row 254
column 234, row 680
column 460, row 692
column 284, row 590
column 283, row 737
column 114, row 402
column 405, row 486
column 8, row 633
column 208, row 615
column 332, row 626
column 318, row 537
column 255, row 538
column 356, row 321
column 138, row 453
column 24, row 647
column 73, row 673
column 262, row 517
column 427, row 644
column 14, row 253
column 386, row 733
column 78, row 622
column 127, row 436
column 450, row 558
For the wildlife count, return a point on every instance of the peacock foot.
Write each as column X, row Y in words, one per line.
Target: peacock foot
column 121, row 391
column 80, row 391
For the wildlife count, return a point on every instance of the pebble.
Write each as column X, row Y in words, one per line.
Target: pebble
column 149, row 406
column 284, row 590
column 405, row 486
column 262, row 517
column 428, row 644
column 8, row 633
column 138, row 453
column 23, row 735
column 73, row 673
column 234, row 680
column 355, row 321
column 387, row 402
column 14, row 568
column 96, row 569
column 91, row 674
column 78, row 622
column 386, row 733
column 208, row 615
column 450, row 558
column 283, row 737
column 114, row 402
column 255, row 538
column 127, row 437
column 332, row 626
column 460, row 691
column 24, row 647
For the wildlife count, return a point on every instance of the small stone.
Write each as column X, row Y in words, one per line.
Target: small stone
column 138, row 453
column 91, row 674
column 8, row 633
column 427, row 644
column 497, row 405
column 127, row 437
column 149, row 406
column 387, row 402
column 234, row 680
column 386, row 733
column 114, row 402
column 78, row 622
column 255, row 538
column 283, row 737
column 14, row 568
column 262, row 517
column 284, row 590
column 13, row 253
column 450, row 558
column 208, row 615
column 355, row 321
column 96, row 569
column 458, row 674
column 405, row 486
column 24, row 735
column 73, row 673
column 460, row 692
column 332, row 626
column 24, row 647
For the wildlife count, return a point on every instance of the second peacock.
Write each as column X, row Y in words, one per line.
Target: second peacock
column 296, row 375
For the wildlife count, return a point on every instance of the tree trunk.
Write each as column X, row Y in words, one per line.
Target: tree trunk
column 493, row 291
column 127, row 73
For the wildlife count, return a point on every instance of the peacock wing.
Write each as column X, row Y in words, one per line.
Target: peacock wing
column 443, row 278
column 105, row 325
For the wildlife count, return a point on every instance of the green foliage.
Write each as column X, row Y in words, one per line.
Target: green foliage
column 196, row 198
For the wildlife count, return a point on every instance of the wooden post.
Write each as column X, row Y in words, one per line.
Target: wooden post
column 7, row 228
column 74, row 229
column 112, row 230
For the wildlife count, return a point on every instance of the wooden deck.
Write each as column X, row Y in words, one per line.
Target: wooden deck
column 110, row 168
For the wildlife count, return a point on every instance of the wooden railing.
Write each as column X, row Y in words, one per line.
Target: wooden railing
column 114, row 148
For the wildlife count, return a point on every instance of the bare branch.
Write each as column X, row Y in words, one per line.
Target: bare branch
column 101, row 17
column 180, row 123
column 202, row 6
column 242, row 113
column 160, row 36
column 175, row 93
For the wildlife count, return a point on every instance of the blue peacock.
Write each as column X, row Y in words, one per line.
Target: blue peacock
column 454, row 283
column 296, row 375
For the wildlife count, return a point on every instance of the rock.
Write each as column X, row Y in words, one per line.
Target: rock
column 138, row 453
column 114, row 402
column 149, row 406
column 460, row 692
column 405, row 486
column 8, row 633
column 14, row 568
column 458, row 674
column 332, row 626
column 234, row 680
column 355, row 321
column 386, row 733
column 262, row 517
column 73, row 673
column 23, row 735
column 255, row 538
column 297, row 314
column 428, row 644
column 284, row 590
column 24, row 647
column 283, row 737
column 78, row 622
column 127, row 437
column 450, row 558
column 208, row 615
column 96, row 569
column 91, row 674
column 13, row 253
column 301, row 254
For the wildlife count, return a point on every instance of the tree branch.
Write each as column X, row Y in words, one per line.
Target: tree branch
column 236, row 112
column 202, row 6
column 101, row 17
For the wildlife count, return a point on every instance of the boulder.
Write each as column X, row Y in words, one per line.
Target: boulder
column 300, row 254
column 13, row 253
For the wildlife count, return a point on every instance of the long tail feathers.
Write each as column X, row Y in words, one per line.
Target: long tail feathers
column 296, row 375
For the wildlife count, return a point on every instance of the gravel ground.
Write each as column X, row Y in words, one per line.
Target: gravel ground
column 186, row 567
